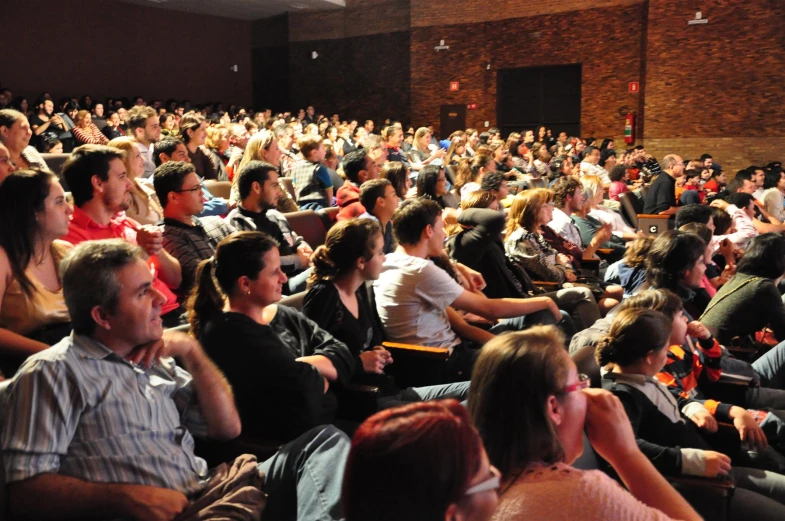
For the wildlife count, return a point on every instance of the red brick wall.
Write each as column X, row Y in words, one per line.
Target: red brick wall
column 109, row 48
column 607, row 42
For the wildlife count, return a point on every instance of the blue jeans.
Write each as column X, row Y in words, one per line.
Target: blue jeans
column 296, row 283
column 539, row 318
column 303, row 480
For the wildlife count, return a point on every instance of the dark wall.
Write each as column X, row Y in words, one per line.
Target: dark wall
column 270, row 59
column 363, row 77
column 109, row 48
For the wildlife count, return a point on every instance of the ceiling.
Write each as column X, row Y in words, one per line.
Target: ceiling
column 242, row 9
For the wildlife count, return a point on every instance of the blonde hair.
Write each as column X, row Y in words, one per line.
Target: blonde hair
column 526, row 207
column 126, row 145
column 80, row 116
column 253, row 150
column 421, row 132
column 591, row 185
column 215, row 136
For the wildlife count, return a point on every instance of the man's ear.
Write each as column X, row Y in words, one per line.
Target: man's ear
column 427, row 233
column 171, row 197
column 98, row 184
column 101, row 317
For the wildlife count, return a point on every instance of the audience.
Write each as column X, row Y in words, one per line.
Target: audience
column 312, row 184
column 145, row 128
column 15, row 135
column 102, row 425
column 85, row 132
column 531, row 406
column 145, row 207
column 634, row 351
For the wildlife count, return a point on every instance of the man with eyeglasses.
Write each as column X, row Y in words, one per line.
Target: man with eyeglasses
column 146, row 129
column 188, row 238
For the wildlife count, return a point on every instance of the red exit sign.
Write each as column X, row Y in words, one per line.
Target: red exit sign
column 634, row 86
column 454, row 86
column 471, row 106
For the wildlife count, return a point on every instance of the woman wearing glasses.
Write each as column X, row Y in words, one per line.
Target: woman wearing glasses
column 419, row 462
column 530, row 406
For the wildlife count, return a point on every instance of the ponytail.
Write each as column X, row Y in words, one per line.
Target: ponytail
column 633, row 335
column 324, row 268
column 205, row 300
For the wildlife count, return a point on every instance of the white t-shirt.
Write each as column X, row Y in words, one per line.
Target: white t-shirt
column 412, row 295
column 562, row 224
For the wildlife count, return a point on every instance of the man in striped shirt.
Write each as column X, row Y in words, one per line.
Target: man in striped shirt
column 100, row 424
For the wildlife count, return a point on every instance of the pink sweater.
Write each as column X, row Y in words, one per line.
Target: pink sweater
column 559, row 492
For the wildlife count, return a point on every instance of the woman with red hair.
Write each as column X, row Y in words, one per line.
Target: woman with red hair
column 419, row 462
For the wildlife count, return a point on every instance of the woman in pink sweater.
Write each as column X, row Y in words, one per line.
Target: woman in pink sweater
column 530, row 406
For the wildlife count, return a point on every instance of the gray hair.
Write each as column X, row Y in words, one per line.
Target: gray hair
column 669, row 161
column 88, row 275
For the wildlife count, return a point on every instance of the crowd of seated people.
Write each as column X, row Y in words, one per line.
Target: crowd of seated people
column 491, row 256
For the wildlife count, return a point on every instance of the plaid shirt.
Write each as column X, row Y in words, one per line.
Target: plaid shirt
column 192, row 244
column 307, row 185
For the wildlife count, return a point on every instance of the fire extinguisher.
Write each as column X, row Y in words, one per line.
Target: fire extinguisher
column 629, row 128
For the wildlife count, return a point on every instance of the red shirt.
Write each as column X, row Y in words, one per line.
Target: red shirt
column 84, row 228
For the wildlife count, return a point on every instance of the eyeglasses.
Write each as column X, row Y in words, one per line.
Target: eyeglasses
column 492, row 483
column 583, row 383
column 194, row 189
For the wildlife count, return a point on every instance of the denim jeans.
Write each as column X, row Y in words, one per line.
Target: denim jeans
column 771, row 367
column 303, row 480
column 539, row 318
column 296, row 283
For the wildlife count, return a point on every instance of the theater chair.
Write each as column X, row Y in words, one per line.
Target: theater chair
column 287, row 184
column 55, row 162
column 221, row 189
column 312, row 226
column 710, row 496
column 651, row 224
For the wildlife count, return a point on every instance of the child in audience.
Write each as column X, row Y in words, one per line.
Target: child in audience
column 531, row 406
column 312, row 184
column 338, row 301
column 33, row 314
column 422, row 461
column 635, row 350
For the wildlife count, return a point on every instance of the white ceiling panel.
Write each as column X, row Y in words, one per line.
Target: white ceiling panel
column 242, row 9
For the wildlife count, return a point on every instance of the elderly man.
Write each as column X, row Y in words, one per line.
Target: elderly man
column 101, row 424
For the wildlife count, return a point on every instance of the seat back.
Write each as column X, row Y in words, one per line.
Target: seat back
column 654, row 224
column 329, row 216
column 587, row 364
column 450, row 171
column 294, row 301
column 631, row 206
column 55, row 162
column 221, row 189
column 308, row 225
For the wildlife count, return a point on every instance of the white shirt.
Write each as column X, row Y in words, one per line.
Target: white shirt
column 562, row 224
column 412, row 296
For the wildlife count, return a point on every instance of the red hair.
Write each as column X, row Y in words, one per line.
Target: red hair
column 411, row 462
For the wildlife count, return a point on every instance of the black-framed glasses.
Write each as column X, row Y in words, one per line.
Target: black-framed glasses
column 194, row 189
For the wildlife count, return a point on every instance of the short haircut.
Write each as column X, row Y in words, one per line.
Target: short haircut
column 764, row 257
column 772, row 178
column 169, row 177
column 88, row 274
column 704, row 157
column 253, row 172
column 137, row 116
column 85, row 162
column 735, row 184
column 308, row 143
column 166, row 145
column 492, row 181
column 693, row 213
column 691, row 174
column 588, row 150
column 484, row 138
column 741, row 199
column 371, row 190
column 564, row 187
column 617, row 172
column 412, row 217
column 668, row 162
column 353, row 163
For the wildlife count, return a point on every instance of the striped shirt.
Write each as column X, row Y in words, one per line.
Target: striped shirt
column 78, row 409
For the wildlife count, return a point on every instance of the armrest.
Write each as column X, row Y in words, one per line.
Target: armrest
column 414, row 350
column 547, row 283
column 604, row 251
column 652, row 216
column 359, row 388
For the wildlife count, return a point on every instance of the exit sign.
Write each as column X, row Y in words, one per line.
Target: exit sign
column 634, row 86
column 454, row 86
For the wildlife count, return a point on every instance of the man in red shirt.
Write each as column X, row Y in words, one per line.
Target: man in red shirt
column 101, row 190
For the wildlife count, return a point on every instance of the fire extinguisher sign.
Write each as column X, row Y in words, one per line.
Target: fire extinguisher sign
column 634, row 86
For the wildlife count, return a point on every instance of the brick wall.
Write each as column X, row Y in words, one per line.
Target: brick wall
column 607, row 42
column 449, row 12
column 360, row 18
column 716, row 88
